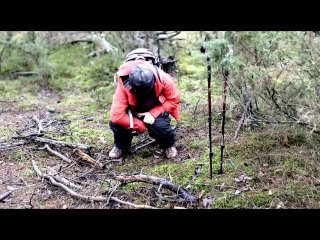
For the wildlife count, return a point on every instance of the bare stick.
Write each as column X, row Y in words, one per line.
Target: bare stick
column 87, row 158
column 61, row 143
column 182, row 193
column 112, row 191
column 84, row 197
column 5, row 195
column 10, row 146
column 57, row 154
column 35, row 167
column 63, row 180
column 39, row 122
column 132, row 204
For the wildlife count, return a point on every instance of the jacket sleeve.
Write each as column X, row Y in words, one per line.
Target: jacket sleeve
column 119, row 107
column 171, row 96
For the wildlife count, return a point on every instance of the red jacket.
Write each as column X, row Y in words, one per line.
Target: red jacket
column 123, row 98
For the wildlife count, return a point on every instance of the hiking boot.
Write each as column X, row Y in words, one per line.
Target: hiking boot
column 171, row 152
column 115, row 153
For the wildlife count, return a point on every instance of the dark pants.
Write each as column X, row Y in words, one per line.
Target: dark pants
column 160, row 130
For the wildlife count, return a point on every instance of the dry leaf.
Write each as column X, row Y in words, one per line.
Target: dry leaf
column 237, row 192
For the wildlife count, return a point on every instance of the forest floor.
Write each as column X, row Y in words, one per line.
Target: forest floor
column 270, row 167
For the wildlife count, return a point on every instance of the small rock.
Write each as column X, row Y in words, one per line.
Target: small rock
column 270, row 192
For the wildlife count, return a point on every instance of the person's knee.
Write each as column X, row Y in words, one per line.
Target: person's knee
column 160, row 130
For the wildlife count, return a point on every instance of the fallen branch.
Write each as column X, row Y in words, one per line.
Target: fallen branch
column 182, row 193
column 87, row 158
column 4, row 196
column 24, row 74
column 84, row 197
column 10, row 146
column 63, row 180
column 131, row 204
column 46, row 146
column 61, row 143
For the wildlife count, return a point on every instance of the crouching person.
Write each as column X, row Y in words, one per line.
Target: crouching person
column 144, row 99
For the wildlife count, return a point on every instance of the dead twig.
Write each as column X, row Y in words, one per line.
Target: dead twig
column 180, row 191
column 132, row 204
column 39, row 122
column 63, row 180
column 46, row 146
column 11, row 146
column 80, row 196
column 5, row 195
column 61, row 143
column 112, row 191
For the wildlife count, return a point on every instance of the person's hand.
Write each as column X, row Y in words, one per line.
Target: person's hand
column 148, row 118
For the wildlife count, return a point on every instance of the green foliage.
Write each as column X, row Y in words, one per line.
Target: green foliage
column 23, row 52
column 74, row 70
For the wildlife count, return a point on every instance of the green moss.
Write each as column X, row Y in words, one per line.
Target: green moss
column 243, row 200
column 5, row 133
column 28, row 172
column 73, row 69
column 19, row 156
